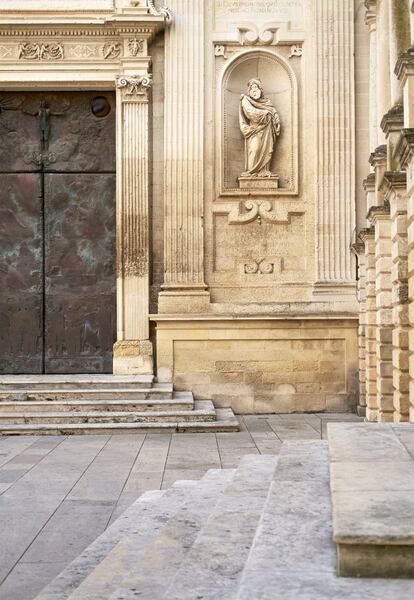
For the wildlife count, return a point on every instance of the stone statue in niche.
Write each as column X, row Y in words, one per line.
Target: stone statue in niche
column 260, row 126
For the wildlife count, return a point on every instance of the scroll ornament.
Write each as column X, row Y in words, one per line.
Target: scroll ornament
column 160, row 12
column 135, row 85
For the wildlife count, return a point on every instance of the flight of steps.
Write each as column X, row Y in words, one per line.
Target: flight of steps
column 261, row 532
column 75, row 404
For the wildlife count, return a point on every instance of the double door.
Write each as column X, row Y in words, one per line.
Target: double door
column 57, row 232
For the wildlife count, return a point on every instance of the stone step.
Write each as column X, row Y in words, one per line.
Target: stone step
column 48, row 382
column 158, row 391
column 165, row 555
column 179, row 401
column 163, row 533
column 372, row 485
column 203, row 411
column 225, row 422
column 293, row 556
column 141, row 521
column 213, row 566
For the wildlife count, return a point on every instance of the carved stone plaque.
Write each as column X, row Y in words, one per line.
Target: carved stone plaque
column 259, row 11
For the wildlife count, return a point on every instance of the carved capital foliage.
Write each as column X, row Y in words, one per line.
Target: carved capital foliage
column 135, row 87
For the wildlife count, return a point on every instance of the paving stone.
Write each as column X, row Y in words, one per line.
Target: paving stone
column 27, row 506
column 27, row 579
column 144, row 511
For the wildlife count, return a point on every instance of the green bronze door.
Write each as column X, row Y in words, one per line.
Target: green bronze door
column 57, row 232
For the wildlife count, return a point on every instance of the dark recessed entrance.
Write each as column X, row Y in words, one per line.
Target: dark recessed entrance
column 57, row 232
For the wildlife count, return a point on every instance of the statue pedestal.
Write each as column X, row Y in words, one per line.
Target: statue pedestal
column 258, row 183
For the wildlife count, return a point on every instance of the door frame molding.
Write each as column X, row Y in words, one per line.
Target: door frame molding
column 101, row 50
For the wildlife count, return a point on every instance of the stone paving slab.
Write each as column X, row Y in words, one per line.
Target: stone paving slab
column 159, row 461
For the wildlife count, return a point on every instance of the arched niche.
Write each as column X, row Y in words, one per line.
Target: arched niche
column 280, row 85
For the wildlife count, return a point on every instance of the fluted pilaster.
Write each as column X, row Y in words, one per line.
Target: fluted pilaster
column 336, row 142
column 184, row 123
column 132, row 352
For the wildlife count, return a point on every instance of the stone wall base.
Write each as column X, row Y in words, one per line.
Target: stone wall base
column 263, row 365
column 133, row 357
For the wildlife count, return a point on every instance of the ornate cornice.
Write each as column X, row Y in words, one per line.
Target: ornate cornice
column 378, row 212
column 358, row 248
column 393, row 181
column 379, row 156
column 393, row 120
column 405, row 64
column 404, row 149
column 366, row 234
column 371, row 14
column 369, row 183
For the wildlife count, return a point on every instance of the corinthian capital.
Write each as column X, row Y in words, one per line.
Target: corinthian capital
column 135, row 87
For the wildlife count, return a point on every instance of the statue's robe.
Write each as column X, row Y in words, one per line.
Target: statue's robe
column 260, row 125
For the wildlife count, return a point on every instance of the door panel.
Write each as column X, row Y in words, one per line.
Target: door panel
column 57, row 232
column 79, row 140
column 80, row 299
column 21, row 277
column 18, row 133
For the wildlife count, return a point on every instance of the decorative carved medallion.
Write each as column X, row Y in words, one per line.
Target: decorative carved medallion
column 259, row 267
column 41, row 51
column 135, row 85
column 136, row 46
column 111, row 50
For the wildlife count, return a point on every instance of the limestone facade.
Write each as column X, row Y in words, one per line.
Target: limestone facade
column 389, row 196
column 243, row 288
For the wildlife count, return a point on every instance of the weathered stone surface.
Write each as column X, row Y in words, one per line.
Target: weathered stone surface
column 373, row 504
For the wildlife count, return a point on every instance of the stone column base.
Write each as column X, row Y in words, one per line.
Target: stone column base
column 183, row 301
column 133, row 357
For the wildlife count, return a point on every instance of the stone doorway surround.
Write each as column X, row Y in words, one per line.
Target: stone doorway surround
column 102, row 50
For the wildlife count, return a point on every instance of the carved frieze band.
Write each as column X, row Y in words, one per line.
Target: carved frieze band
column 135, row 87
column 47, row 49
column 250, row 210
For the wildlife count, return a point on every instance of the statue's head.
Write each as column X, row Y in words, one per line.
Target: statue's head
column 255, row 89
column 44, row 104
